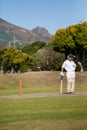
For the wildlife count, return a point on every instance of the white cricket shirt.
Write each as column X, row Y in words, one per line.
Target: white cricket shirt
column 69, row 66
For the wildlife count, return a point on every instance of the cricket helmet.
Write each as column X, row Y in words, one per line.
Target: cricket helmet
column 70, row 56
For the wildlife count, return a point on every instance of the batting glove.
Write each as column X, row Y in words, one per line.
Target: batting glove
column 62, row 74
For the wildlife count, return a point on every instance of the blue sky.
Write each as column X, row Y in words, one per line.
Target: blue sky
column 51, row 14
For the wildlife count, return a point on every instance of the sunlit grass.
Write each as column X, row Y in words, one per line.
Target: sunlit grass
column 53, row 110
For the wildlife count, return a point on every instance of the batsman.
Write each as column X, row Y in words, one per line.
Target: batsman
column 69, row 66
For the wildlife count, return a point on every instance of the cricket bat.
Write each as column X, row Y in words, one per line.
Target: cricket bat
column 61, row 85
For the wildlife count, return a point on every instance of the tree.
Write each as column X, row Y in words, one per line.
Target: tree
column 2, row 51
column 73, row 39
column 13, row 59
column 49, row 59
column 62, row 41
column 34, row 47
column 81, row 42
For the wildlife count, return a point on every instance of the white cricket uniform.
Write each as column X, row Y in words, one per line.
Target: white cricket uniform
column 70, row 66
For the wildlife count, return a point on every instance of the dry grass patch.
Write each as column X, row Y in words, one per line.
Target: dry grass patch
column 41, row 81
column 47, row 125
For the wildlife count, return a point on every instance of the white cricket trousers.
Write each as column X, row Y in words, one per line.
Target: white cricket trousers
column 70, row 81
column 70, row 84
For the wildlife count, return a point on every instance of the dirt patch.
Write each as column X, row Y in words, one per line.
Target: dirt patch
column 42, row 95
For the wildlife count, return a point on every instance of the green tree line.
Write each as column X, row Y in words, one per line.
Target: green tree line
column 47, row 56
column 37, row 56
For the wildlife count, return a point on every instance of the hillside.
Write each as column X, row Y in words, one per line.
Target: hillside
column 10, row 32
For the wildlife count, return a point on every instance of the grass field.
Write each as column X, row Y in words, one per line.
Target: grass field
column 54, row 113
column 48, row 113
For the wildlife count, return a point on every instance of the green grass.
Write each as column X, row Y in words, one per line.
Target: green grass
column 40, row 90
column 53, row 109
column 28, row 91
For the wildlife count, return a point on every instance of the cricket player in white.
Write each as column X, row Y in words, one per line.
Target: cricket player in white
column 70, row 66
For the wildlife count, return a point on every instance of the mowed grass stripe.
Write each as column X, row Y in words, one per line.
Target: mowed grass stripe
column 57, row 108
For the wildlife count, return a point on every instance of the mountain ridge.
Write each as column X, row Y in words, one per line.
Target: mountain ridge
column 25, row 36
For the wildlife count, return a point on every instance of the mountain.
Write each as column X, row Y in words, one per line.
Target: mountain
column 10, row 32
